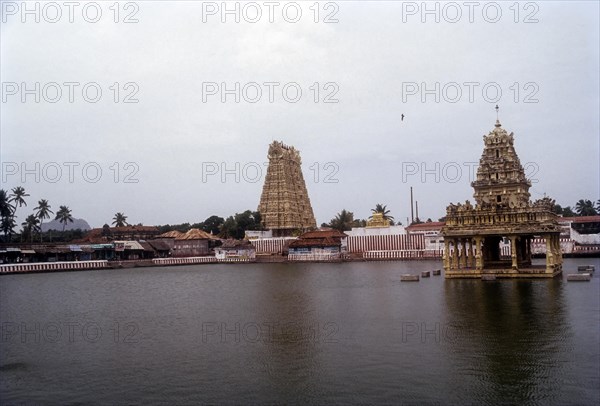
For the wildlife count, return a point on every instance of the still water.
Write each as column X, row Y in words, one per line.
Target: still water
column 303, row 333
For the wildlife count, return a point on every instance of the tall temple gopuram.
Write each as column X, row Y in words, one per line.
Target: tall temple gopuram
column 284, row 204
column 502, row 210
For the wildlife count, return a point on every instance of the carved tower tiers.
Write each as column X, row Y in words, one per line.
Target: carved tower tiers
column 284, row 203
column 493, row 238
column 500, row 177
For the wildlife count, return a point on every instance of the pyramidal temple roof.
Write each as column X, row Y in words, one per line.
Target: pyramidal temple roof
column 284, row 203
column 500, row 176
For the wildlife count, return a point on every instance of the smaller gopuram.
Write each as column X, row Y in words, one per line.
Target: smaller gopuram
column 377, row 220
column 502, row 212
column 284, row 204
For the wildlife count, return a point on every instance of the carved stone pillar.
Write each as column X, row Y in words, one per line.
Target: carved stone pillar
column 549, row 254
column 446, row 256
column 478, row 254
column 513, row 253
column 558, row 252
column 470, row 258
column 455, row 253
column 463, row 253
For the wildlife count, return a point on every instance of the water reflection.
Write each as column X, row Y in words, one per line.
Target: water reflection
column 433, row 342
column 290, row 362
column 514, row 331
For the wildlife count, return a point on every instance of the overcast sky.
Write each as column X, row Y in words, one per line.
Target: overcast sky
column 377, row 61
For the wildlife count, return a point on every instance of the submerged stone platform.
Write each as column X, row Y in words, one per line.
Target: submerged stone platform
column 534, row 272
column 579, row 277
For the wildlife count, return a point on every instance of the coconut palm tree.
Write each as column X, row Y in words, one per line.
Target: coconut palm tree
column 343, row 221
column 64, row 216
column 7, row 226
column 380, row 208
column 120, row 220
column 43, row 212
column 17, row 197
column 6, row 213
column 6, row 208
column 31, row 225
column 585, row 208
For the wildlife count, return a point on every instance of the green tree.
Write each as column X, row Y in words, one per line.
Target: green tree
column 343, row 221
column 43, row 212
column 8, row 208
column 568, row 212
column 6, row 213
column 213, row 224
column 7, row 226
column 5, row 206
column 119, row 220
column 183, row 227
column 18, row 196
column 31, row 225
column 358, row 223
column 557, row 209
column 585, row 208
column 229, row 228
column 248, row 220
column 380, row 208
column 64, row 216
column 236, row 226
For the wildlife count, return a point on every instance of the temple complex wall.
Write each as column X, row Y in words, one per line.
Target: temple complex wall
column 389, row 242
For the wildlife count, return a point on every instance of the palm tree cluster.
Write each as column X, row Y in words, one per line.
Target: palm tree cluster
column 343, row 221
column 587, row 207
column 583, row 207
column 9, row 203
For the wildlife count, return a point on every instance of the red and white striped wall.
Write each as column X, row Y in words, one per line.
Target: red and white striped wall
column 52, row 266
column 363, row 243
column 321, row 256
column 271, row 245
column 390, row 255
column 184, row 260
column 198, row 260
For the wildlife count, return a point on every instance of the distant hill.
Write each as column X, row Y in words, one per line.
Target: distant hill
column 57, row 225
